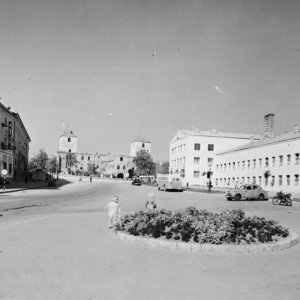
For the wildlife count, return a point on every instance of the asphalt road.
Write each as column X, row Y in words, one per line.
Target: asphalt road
column 55, row 244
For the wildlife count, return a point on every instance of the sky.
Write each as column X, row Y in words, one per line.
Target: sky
column 113, row 69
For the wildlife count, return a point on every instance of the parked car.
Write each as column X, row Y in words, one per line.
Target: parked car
column 136, row 181
column 247, row 192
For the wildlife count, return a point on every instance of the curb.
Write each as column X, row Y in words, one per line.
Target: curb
column 286, row 243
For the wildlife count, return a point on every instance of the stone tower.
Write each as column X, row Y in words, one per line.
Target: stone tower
column 68, row 142
column 138, row 144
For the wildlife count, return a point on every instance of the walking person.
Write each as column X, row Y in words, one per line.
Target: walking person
column 91, row 178
column 151, row 204
column 114, row 211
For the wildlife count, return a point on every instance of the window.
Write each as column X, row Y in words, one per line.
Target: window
column 121, row 158
column 224, row 167
column 89, row 158
column 254, row 163
column 238, row 165
column 273, row 180
column 118, row 167
column 248, row 164
column 10, row 168
column 197, row 146
column 210, row 160
column 69, row 139
column 248, row 179
column 143, row 145
column 296, row 179
column 243, row 164
column 233, row 166
column 82, row 157
column 229, row 165
column 288, row 179
column 266, row 162
column 69, row 150
column 259, row 180
column 296, row 158
column 196, row 174
column 280, row 160
column 196, row 160
column 273, row 161
column 260, row 162
column 280, row 179
column 124, row 167
column 288, row 159
column 210, row 147
column 253, row 179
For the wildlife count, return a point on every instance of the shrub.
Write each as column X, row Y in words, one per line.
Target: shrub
column 202, row 226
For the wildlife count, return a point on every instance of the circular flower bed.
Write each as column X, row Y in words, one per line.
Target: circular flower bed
column 202, row 226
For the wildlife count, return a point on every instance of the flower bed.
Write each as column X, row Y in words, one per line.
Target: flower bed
column 202, row 226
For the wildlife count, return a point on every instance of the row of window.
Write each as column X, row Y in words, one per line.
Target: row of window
column 197, row 147
column 209, row 160
column 253, row 163
column 273, row 180
column 210, row 147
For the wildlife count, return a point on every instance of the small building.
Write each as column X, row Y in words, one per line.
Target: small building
column 118, row 166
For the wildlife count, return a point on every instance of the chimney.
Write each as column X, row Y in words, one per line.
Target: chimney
column 269, row 125
column 296, row 128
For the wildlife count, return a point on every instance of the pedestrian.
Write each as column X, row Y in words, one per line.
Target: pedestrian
column 91, row 178
column 151, row 204
column 114, row 211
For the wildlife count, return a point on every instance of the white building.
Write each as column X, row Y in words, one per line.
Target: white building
column 192, row 152
column 272, row 162
column 138, row 144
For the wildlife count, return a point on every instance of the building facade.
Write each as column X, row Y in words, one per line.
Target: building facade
column 15, row 141
column 138, row 144
column 193, row 152
column 272, row 162
column 118, row 166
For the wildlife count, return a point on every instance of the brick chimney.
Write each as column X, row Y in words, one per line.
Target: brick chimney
column 269, row 125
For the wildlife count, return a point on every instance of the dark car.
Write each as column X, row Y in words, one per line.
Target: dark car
column 247, row 192
column 136, row 181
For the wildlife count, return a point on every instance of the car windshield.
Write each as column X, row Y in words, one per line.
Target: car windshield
column 243, row 187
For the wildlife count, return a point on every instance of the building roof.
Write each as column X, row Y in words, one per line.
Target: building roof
column 214, row 133
column 140, row 139
column 287, row 136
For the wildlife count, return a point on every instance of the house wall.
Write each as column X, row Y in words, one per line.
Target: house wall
column 280, row 159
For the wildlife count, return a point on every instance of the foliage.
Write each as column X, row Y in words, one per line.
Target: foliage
column 144, row 164
column 39, row 161
column 52, row 165
column 163, row 167
column 202, row 226
column 70, row 161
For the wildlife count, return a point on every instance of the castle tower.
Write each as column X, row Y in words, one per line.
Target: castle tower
column 68, row 142
column 138, row 144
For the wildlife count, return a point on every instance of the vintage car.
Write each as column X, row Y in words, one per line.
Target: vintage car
column 247, row 192
column 136, row 181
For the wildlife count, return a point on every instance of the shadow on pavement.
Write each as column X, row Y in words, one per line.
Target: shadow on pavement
column 15, row 186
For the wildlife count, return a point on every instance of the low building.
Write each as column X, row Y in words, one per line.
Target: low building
column 192, row 152
column 272, row 162
column 118, row 166
column 15, row 141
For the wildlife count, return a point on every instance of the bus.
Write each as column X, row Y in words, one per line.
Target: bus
column 147, row 178
column 167, row 182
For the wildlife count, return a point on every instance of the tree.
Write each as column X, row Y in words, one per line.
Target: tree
column 144, row 164
column 162, row 168
column 70, row 161
column 39, row 161
column 52, row 165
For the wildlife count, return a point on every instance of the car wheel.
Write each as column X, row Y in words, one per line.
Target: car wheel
column 261, row 197
column 229, row 198
column 237, row 197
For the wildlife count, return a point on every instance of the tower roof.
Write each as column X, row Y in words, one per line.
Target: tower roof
column 141, row 139
column 69, row 133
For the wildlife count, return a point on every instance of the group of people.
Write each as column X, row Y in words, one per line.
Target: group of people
column 114, row 209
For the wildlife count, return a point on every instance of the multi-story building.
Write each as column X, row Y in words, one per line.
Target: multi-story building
column 15, row 141
column 138, row 144
column 273, row 162
column 192, row 152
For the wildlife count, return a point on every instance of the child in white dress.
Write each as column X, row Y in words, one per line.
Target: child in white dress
column 114, row 211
